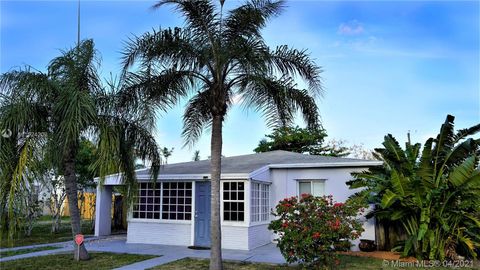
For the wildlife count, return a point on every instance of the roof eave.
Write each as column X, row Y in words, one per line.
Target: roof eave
column 327, row 165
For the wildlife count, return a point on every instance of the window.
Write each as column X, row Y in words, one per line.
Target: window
column 233, row 201
column 265, row 203
column 167, row 201
column 314, row 187
column 177, row 201
column 148, row 201
column 260, row 206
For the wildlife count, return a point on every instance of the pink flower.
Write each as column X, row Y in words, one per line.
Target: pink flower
column 338, row 204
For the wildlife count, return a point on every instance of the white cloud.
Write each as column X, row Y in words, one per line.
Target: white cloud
column 351, row 28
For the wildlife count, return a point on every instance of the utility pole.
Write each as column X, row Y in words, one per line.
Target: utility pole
column 78, row 24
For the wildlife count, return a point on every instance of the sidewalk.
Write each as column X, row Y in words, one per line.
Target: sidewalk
column 117, row 244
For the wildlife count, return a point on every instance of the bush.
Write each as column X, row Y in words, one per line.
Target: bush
column 310, row 228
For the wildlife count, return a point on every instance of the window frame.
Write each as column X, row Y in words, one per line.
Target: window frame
column 161, row 220
column 246, row 203
column 176, row 198
column 263, row 206
column 323, row 181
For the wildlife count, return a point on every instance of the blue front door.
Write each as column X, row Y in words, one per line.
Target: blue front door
column 202, row 214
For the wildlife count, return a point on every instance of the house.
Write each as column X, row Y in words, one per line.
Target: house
column 177, row 210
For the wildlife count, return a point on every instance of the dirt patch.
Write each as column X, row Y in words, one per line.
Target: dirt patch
column 383, row 255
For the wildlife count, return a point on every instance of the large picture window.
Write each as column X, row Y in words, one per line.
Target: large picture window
column 164, row 201
column 147, row 205
column 177, row 201
column 260, row 203
column 234, row 201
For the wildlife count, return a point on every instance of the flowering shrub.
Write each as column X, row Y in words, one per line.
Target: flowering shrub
column 310, row 228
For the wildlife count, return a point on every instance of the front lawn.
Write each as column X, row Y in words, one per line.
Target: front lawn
column 41, row 234
column 201, row 264
column 25, row 251
column 346, row 262
column 98, row 261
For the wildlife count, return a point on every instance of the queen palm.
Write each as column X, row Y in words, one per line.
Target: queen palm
column 215, row 57
column 49, row 112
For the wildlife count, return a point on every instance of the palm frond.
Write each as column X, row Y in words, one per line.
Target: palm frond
column 174, row 48
column 298, row 62
column 77, row 111
column 196, row 117
column 248, row 19
column 162, row 90
column 278, row 100
column 200, row 16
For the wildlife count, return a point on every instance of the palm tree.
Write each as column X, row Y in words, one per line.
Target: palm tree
column 166, row 153
column 433, row 194
column 50, row 112
column 196, row 155
column 213, row 59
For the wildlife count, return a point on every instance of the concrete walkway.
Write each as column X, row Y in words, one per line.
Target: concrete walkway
column 66, row 246
column 117, row 244
column 56, row 244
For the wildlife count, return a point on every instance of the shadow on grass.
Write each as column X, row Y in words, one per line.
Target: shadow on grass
column 25, row 251
column 98, row 261
column 41, row 234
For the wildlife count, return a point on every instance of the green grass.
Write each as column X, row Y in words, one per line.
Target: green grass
column 98, row 261
column 41, row 235
column 25, row 251
column 201, row 264
column 49, row 218
column 346, row 262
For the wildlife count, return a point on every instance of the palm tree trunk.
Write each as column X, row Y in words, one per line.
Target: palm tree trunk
column 71, row 188
column 216, row 165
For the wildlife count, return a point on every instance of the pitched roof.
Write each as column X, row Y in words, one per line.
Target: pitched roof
column 252, row 162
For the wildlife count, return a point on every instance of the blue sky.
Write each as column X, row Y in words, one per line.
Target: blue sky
column 389, row 67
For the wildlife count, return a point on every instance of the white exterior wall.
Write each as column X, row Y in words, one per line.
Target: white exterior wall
column 285, row 184
column 246, row 235
column 150, row 232
column 263, row 175
column 258, row 235
column 235, row 237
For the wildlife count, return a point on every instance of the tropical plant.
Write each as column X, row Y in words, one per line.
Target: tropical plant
column 215, row 58
column 196, row 155
column 302, row 140
column 166, row 153
column 433, row 193
column 50, row 112
column 33, row 207
column 84, row 164
column 294, row 139
column 311, row 229
column 57, row 194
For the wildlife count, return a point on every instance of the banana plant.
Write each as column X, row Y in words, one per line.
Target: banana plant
column 432, row 194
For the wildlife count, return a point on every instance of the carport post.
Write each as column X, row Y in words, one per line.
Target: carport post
column 103, row 211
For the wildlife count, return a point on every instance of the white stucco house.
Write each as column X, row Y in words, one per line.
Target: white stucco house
column 177, row 210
